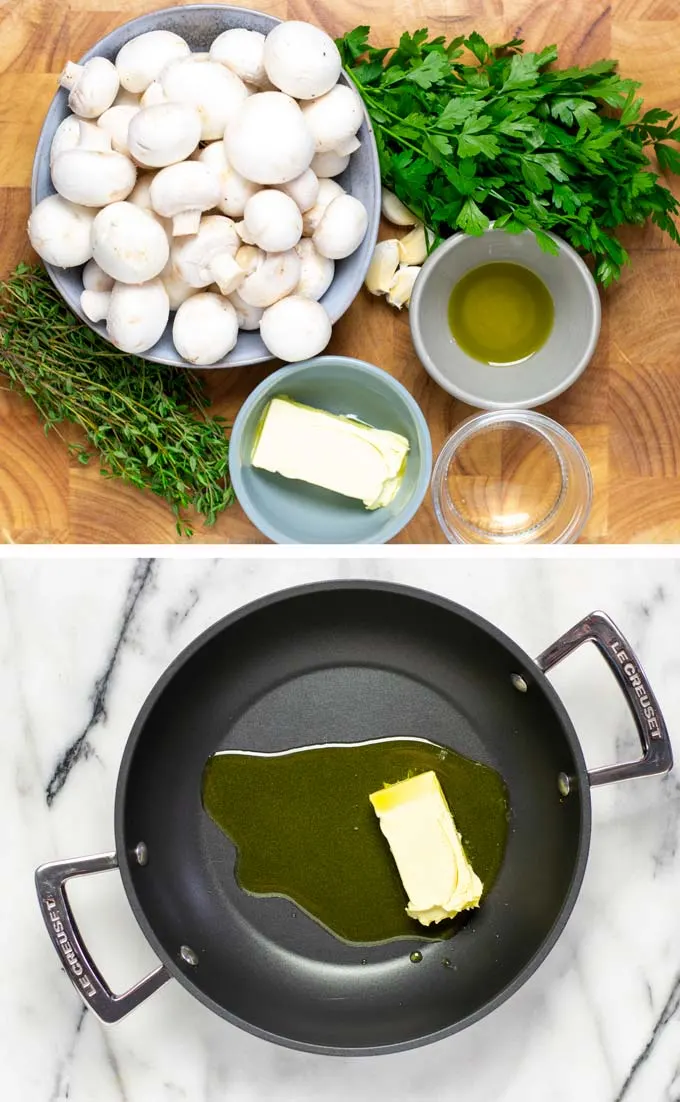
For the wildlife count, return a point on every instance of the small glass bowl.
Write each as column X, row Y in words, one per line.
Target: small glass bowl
column 511, row 477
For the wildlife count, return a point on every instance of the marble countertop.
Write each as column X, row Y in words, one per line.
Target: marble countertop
column 82, row 641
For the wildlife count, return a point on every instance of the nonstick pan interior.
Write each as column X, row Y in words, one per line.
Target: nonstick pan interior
column 335, row 663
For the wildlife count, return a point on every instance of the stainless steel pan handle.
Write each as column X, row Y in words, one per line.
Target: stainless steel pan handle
column 50, row 881
column 657, row 756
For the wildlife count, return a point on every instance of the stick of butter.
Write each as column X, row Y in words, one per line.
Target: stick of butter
column 334, row 452
column 427, row 849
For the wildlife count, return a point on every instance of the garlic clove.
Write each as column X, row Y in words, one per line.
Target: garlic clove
column 399, row 294
column 394, row 210
column 383, row 267
column 413, row 247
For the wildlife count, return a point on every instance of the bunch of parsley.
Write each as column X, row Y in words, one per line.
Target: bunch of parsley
column 502, row 138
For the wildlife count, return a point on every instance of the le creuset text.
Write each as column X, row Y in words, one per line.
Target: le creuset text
column 633, row 676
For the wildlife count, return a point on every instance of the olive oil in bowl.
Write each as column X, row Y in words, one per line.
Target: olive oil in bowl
column 500, row 313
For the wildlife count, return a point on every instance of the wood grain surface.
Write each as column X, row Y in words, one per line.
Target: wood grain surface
column 625, row 410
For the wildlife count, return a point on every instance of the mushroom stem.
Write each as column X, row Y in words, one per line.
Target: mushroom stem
column 227, row 273
column 186, row 223
column 71, row 74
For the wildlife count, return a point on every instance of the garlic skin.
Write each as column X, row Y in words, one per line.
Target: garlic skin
column 413, row 247
column 399, row 294
column 383, row 267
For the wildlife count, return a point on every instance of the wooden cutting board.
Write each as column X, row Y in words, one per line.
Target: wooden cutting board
column 625, row 410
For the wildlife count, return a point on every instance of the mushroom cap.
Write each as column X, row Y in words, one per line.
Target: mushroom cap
column 248, row 316
column 142, row 59
column 295, row 328
column 95, row 88
column 329, row 164
column 178, row 289
column 242, row 51
column 164, row 134
column 95, row 279
column 235, row 190
column 304, row 189
column 205, row 328
column 61, row 232
column 342, row 228
column 66, row 136
column 215, row 92
column 276, row 277
column 249, row 257
column 334, row 118
column 268, row 141
column 316, row 271
column 137, row 316
column 116, row 122
column 328, row 191
column 129, row 245
column 273, row 220
column 189, row 185
column 192, row 256
column 301, row 59
column 92, row 178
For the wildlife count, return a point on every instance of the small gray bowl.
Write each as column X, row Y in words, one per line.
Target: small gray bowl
column 551, row 370
column 199, row 24
column 288, row 511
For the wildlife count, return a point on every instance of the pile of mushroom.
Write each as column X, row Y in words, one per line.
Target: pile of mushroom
column 396, row 264
column 203, row 184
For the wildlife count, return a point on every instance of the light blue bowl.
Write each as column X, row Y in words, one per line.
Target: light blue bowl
column 288, row 511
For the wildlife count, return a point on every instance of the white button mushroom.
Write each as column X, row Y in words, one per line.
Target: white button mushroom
column 235, row 190
column 153, row 95
column 142, row 59
column 276, row 277
column 91, row 178
column 303, row 189
column 95, row 279
column 126, row 99
column 329, row 164
column 115, row 123
column 129, row 245
column 245, row 237
column 137, row 316
column 273, row 221
column 215, row 92
column 61, row 232
column 334, row 118
column 205, row 329
column 342, row 228
column 316, row 271
column 183, row 192
column 301, row 59
column 242, row 51
column 95, row 304
column 74, row 133
column 394, row 210
column 347, row 147
column 328, row 191
column 205, row 258
column 295, row 328
column 93, row 86
column 178, row 290
column 248, row 317
column 268, row 141
column 249, row 257
column 164, row 135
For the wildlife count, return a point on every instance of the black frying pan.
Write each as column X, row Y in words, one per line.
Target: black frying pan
column 336, row 662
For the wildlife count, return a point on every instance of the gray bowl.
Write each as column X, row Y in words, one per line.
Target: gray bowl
column 199, row 24
column 556, row 366
column 288, row 511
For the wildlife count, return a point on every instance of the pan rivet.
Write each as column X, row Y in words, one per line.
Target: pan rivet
column 141, row 853
column 188, row 955
column 564, row 784
column 416, row 957
column 519, row 683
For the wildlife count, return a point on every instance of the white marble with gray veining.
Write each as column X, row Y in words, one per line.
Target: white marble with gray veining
column 81, row 644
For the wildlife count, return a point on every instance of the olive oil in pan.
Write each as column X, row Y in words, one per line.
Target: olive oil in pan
column 500, row 313
column 304, row 828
